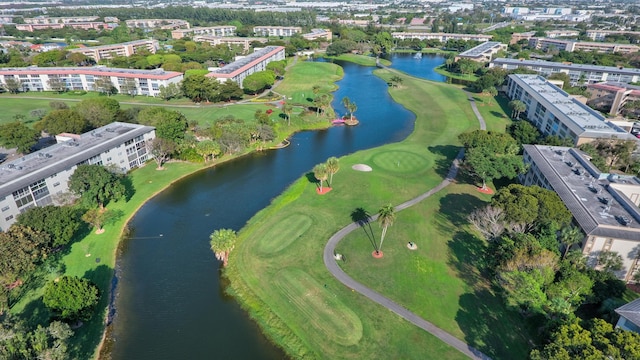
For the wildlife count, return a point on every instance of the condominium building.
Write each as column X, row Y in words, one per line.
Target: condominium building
column 611, row 97
column 515, row 37
column 554, row 34
column 244, row 42
column 163, row 24
column 600, row 35
column 97, row 25
column 482, row 52
column 60, row 20
column 226, row 30
column 276, row 30
column 554, row 112
column 238, row 70
column 578, row 73
column 604, row 206
column 41, row 178
column 98, row 53
column 318, row 34
column 147, row 82
column 442, row 37
column 571, row 46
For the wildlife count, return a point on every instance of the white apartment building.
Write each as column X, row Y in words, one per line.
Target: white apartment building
column 34, row 78
column 40, row 178
column 238, row 70
column 244, row 42
column 577, row 72
column 600, row 35
column 226, row 30
column 442, row 37
column 318, row 34
column 554, row 112
column 482, row 52
column 554, row 34
column 98, row 53
column 60, row 20
column 571, row 46
column 604, row 206
column 276, row 30
column 164, row 24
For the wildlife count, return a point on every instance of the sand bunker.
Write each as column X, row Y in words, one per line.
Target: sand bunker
column 361, row 167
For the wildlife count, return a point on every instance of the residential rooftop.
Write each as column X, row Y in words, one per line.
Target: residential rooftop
column 480, row 49
column 24, row 171
column 239, row 64
column 578, row 67
column 99, row 70
column 596, row 199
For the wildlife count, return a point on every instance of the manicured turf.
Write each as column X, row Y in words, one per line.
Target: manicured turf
column 447, row 289
column 299, row 81
column 284, row 233
column 364, row 60
column 495, row 111
column 466, row 77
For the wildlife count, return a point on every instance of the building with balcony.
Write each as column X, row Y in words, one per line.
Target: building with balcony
column 244, row 42
column 318, row 34
column 604, row 206
column 41, row 178
column 611, row 97
column 76, row 25
column 600, row 35
column 238, row 70
column 554, row 112
column 60, row 20
column 442, row 37
column 140, row 82
column 554, row 34
column 163, row 24
column 571, row 46
column 98, row 53
column 483, row 52
column 285, row 31
column 578, row 73
column 226, row 30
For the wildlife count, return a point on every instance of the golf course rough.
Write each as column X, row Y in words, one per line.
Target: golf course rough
column 324, row 312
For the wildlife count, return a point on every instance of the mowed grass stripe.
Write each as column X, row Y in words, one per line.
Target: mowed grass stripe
column 283, row 233
column 322, row 309
column 402, row 161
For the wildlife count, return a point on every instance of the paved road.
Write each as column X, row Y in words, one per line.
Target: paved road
column 336, row 271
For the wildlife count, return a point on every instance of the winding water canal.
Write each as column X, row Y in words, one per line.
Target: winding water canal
column 169, row 299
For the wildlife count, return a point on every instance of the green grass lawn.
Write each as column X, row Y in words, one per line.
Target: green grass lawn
column 495, row 111
column 277, row 273
column 363, row 60
column 300, row 79
column 466, row 77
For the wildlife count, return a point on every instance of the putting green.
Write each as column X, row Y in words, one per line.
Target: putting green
column 401, row 161
column 283, row 233
column 324, row 313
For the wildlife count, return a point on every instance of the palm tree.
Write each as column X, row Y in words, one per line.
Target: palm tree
column 350, row 106
column 332, row 167
column 222, row 242
column 286, row 109
column 493, row 92
column 386, row 217
column 517, row 107
column 321, row 173
column 324, row 100
column 569, row 236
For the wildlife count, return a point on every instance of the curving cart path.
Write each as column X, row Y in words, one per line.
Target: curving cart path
column 338, row 273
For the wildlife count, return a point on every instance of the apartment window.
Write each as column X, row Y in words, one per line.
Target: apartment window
column 56, row 184
column 8, row 218
column 5, row 208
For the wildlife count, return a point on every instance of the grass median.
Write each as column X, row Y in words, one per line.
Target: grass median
column 269, row 251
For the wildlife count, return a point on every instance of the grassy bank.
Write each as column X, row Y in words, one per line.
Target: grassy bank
column 443, row 71
column 277, row 273
column 94, row 256
column 363, row 60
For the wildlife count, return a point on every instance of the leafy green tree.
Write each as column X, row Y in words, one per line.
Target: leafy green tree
column 493, row 92
column 161, row 149
column 18, row 135
column 524, row 132
column 96, row 185
column 170, row 124
column 50, row 58
column 350, row 106
column 489, row 166
column 98, row 111
column 171, row 91
column 386, row 218
column 333, row 165
column 60, row 222
column 19, row 341
column 262, row 117
column 396, row 80
column 339, row 47
column 383, row 42
column 57, row 84
column 321, row 173
column 21, row 249
column 199, row 87
column 277, row 67
column 70, row 297
column 258, row 81
column 569, row 236
column 230, row 90
column 60, row 121
column 222, row 242
column 13, row 85
column 532, row 206
column 97, row 218
column 104, row 86
column 208, row 149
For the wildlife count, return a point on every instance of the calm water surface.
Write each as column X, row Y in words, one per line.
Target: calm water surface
column 422, row 68
column 169, row 301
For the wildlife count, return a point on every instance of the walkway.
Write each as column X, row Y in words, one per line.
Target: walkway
column 338, row 273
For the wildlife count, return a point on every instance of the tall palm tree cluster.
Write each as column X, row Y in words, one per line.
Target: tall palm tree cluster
column 325, row 171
